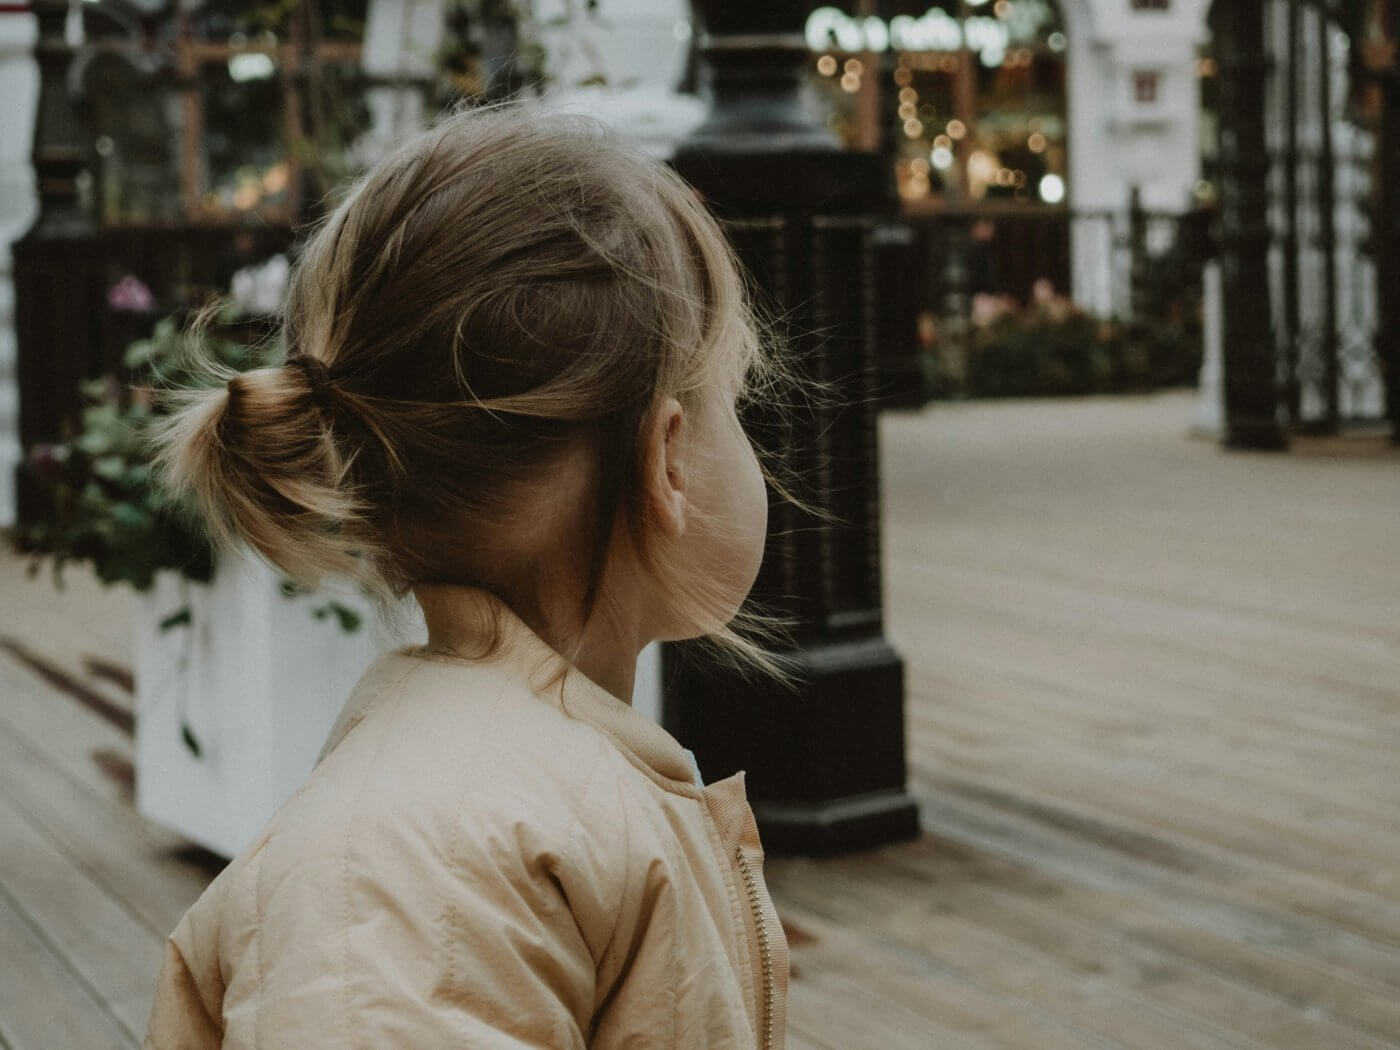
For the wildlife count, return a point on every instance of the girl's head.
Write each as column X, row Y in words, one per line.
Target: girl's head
column 514, row 351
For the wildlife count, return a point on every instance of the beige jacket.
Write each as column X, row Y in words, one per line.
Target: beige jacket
column 482, row 862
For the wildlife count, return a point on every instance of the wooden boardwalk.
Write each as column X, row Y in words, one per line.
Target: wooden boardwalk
column 1154, row 725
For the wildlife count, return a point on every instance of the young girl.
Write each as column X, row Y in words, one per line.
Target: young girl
column 514, row 353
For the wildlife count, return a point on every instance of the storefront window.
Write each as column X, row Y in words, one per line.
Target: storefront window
column 259, row 105
column 973, row 107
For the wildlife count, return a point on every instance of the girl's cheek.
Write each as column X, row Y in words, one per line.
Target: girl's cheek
column 754, row 510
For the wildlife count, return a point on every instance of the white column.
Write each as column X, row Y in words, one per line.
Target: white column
column 1210, row 395
column 1118, row 139
column 622, row 66
column 401, row 40
column 19, row 87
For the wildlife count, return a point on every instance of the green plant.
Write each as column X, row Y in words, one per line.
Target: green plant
column 1041, row 355
column 1051, row 347
column 96, row 498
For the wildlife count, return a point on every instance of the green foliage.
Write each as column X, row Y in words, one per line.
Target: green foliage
column 347, row 617
column 1054, row 349
column 97, row 498
column 1043, row 355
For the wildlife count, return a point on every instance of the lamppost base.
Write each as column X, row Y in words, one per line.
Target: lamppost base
column 823, row 755
column 838, row 826
column 1255, row 437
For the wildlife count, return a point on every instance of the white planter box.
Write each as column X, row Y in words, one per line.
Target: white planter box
column 259, row 681
column 256, row 678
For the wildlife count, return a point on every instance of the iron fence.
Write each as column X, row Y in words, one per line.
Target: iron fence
column 1133, row 271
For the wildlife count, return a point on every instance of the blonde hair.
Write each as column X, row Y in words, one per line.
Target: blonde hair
column 502, row 288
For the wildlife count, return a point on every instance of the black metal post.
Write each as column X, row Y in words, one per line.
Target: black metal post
column 1139, row 266
column 901, row 371
column 1386, row 237
column 825, row 760
column 55, row 265
column 1251, row 390
column 1292, row 311
column 954, row 337
column 1327, row 232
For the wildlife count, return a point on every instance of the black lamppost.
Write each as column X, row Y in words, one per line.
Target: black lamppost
column 55, row 265
column 825, row 761
column 1385, row 18
column 1251, row 380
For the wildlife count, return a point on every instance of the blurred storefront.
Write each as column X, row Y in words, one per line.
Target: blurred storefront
column 978, row 107
column 1034, row 120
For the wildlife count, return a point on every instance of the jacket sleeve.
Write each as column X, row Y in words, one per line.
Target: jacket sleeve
column 181, row 1017
column 622, row 891
column 518, row 973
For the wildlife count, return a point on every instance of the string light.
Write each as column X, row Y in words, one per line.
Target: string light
column 953, row 143
column 914, row 187
column 276, row 178
column 251, row 65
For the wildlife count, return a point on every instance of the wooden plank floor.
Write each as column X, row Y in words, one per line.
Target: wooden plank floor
column 1154, row 727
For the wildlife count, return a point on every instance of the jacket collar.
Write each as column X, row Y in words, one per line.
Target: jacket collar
column 459, row 621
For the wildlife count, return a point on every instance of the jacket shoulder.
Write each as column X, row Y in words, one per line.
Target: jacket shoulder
column 439, row 734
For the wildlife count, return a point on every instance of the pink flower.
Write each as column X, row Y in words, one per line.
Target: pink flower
column 131, row 295
column 988, row 309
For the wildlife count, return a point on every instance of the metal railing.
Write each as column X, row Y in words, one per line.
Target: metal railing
column 1133, row 268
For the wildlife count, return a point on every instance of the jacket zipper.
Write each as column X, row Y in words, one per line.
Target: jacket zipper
column 765, row 949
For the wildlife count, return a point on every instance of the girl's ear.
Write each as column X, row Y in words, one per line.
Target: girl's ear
column 665, row 474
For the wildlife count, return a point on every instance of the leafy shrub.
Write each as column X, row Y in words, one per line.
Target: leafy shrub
column 96, row 499
column 1051, row 347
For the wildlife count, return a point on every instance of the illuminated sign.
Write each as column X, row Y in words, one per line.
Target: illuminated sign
column 831, row 29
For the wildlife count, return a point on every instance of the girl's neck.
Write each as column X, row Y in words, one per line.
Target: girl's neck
column 604, row 650
column 602, row 657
